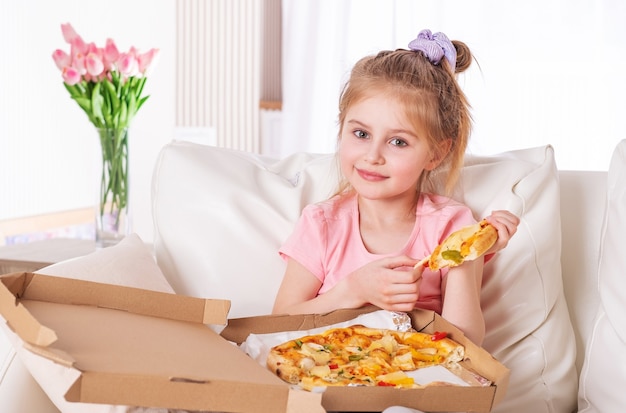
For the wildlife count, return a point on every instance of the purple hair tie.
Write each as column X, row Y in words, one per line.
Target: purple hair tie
column 435, row 47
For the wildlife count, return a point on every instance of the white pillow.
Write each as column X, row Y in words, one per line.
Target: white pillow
column 129, row 263
column 603, row 376
column 220, row 216
column 522, row 295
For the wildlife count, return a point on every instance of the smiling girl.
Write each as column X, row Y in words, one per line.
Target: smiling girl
column 402, row 117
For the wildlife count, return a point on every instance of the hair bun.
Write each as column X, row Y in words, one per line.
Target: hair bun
column 435, row 47
column 463, row 56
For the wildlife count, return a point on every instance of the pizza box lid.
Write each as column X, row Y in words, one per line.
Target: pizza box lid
column 376, row 399
column 142, row 348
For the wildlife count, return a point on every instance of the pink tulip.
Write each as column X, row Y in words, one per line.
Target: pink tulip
column 127, row 64
column 111, row 54
column 69, row 34
column 92, row 48
column 70, row 75
column 78, row 63
column 78, row 60
column 61, row 59
column 80, row 45
column 93, row 64
column 145, row 60
column 71, row 37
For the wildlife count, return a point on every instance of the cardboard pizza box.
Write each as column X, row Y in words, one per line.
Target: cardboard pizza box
column 376, row 399
column 143, row 348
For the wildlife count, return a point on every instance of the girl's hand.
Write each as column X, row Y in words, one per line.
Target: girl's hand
column 389, row 283
column 506, row 224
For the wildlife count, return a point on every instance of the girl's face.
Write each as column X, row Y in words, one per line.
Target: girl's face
column 380, row 152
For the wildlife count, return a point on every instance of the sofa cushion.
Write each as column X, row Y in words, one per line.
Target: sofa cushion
column 522, row 295
column 220, row 216
column 606, row 350
column 129, row 263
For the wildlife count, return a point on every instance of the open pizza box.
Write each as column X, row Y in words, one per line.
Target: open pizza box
column 375, row 399
column 142, row 348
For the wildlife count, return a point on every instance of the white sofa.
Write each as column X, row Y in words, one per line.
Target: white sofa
column 219, row 216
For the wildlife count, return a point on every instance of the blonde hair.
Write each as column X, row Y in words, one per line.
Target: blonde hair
column 433, row 100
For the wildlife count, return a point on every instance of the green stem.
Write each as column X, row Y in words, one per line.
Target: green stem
column 114, row 178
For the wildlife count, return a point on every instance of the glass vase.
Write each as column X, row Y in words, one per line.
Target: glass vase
column 113, row 208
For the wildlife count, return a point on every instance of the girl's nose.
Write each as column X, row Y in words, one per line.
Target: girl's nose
column 374, row 153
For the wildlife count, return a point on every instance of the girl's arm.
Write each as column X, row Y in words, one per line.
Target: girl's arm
column 461, row 299
column 389, row 283
column 299, row 286
column 461, row 286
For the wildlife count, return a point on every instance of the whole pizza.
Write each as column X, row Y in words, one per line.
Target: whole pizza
column 360, row 356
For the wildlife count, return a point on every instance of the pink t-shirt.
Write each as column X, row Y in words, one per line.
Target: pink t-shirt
column 327, row 241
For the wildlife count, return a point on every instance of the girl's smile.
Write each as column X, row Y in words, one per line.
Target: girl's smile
column 370, row 176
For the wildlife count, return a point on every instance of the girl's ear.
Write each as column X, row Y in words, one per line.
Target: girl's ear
column 439, row 154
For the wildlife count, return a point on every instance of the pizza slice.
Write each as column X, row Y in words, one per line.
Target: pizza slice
column 466, row 244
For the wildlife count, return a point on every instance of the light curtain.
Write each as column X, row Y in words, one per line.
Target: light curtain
column 321, row 42
column 545, row 72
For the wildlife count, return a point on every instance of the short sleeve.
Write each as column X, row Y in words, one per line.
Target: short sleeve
column 308, row 238
column 441, row 216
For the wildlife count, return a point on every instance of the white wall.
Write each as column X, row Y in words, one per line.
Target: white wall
column 547, row 72
column 550, row 72
column 48, row 148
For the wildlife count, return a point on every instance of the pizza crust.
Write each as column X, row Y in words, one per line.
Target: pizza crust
column 283, row 368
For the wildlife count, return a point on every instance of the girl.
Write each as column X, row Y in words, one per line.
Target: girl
column 402, row 117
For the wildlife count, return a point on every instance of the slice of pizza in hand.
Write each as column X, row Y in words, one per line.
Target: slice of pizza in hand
column 466, row 244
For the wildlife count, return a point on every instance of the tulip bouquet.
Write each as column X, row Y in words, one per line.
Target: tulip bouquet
column 107, row 85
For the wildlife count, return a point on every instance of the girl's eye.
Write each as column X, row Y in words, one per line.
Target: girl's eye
column 360, row 134
column 398, row 142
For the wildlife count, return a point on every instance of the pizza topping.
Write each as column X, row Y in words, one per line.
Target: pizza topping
column 320, row 371
column 395, row 378
column 452, row 255
column 438, row 335
column 317, row 352
column 306, row 364
column 404, row 361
